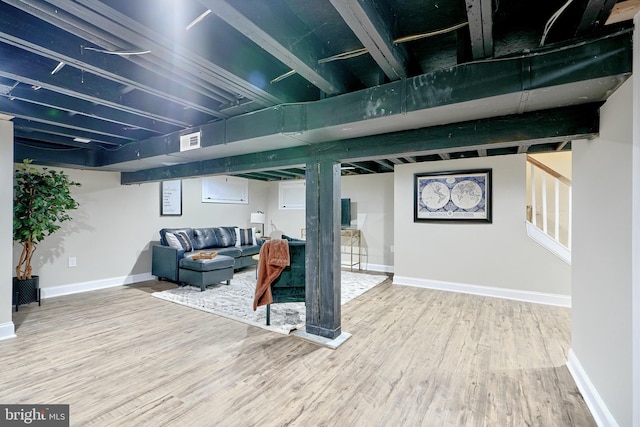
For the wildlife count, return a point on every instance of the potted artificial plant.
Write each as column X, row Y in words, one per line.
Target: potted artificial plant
column 41, row 201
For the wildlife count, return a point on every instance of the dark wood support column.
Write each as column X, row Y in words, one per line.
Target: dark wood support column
column 323, row 249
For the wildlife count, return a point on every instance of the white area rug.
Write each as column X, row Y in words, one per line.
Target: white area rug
column 235, row 301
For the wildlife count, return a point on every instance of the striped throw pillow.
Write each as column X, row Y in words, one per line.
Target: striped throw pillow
column 245, row 236
column 185, row 241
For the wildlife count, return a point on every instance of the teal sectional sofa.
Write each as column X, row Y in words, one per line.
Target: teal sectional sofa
column 176, row 243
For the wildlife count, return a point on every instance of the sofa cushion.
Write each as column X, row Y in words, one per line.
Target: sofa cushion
column 204, row 238
column 226, row 236
column 231, row 251
column 217, row 263
column 248, row 250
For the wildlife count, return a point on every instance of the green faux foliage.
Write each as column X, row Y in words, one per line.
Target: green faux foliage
column 41, row 202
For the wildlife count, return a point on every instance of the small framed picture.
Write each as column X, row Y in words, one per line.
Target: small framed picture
column 171, row 198
column 457, row 196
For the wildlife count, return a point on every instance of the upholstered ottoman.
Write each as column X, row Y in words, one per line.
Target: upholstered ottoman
column 203, row 272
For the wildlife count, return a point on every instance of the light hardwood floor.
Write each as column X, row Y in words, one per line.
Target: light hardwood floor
column 417, row 357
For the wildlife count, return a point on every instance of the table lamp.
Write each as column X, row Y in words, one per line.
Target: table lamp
column 258, row 218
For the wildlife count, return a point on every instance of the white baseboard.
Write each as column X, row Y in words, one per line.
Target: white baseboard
column 591, row 397
column 377, row 267
column 74, row 288
column 487, row 291
column 7, row 330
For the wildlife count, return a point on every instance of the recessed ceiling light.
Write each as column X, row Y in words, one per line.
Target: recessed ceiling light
column 83, row 140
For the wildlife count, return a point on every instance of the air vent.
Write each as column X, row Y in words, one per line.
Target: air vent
column 190, row 141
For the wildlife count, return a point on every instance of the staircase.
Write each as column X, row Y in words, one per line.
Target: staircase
column 549, row 208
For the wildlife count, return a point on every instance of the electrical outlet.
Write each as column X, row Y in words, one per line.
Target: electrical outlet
column 72, row 261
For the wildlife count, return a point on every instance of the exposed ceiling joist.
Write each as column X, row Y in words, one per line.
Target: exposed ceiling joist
column 52, row 138
column 384, row 164
column 480, row 15
column 292, row 173
column 299, row 56
column 596, row 13
column 264, row 176
column 76, row 105
column 29, row 129
column 361, row 166
column 67, row 71
column 42, row 114
column 84, row 31
column 36, row 72
column 372, row 31
column 107, row 19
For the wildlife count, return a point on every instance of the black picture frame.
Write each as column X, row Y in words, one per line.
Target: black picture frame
column 453, row 196
column 171, row 198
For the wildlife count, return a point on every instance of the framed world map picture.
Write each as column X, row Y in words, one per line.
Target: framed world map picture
column 453, row 196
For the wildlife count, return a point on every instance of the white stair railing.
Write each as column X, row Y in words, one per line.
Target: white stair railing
column 551, row 216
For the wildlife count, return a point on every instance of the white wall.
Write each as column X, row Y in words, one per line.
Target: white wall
column 115, row 226
column 6, row 226
column 287, row 221
column 496, row 255
column 372, row 209
column 112, row 231
column 602, row 258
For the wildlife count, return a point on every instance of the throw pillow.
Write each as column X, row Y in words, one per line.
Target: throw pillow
column 245, row 236
column 185, row 241
column 173, row 241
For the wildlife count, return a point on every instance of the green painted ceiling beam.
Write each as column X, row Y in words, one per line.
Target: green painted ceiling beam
column 556, row 125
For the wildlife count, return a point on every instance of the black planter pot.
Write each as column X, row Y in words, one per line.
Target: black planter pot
column 26, row 291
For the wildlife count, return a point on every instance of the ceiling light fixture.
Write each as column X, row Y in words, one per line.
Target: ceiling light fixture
column 58, row 68
column 118, row 52
column 83, row 140
column 198, row 19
